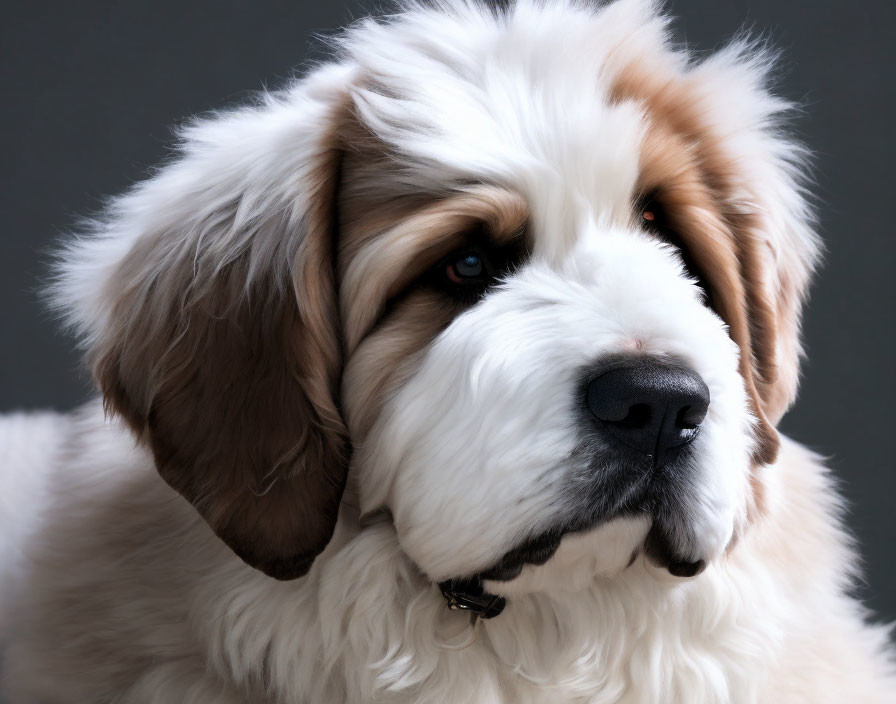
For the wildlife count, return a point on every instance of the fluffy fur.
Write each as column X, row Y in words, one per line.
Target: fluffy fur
column 309, row 423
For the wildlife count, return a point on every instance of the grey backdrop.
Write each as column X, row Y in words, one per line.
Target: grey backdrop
column 91, row 89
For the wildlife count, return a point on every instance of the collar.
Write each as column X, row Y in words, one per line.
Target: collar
column 469, row 595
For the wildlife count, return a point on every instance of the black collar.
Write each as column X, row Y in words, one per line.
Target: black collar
column 469, row 595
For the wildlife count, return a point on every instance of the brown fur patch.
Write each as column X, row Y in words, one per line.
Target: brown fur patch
column 234, row 385
column 390, row 355
column 387, row 242
column 386, row 263
column 233, row 379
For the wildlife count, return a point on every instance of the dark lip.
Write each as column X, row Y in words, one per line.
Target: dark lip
column 542, row 547
column 535, row 551
column 659, row 551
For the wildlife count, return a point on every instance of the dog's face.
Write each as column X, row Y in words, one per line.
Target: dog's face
column 533, row 278
column 562, row 397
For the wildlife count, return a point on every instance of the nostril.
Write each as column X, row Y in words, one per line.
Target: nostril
column 689, row 418
column 685, row 568
column 695, row 405
column 638, row 416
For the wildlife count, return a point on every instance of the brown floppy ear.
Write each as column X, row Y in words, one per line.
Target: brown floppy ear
column 760, row 173
column 778, row 253
column 207, row 301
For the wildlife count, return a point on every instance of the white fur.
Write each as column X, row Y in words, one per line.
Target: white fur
column 172, row 615
column 28, row 446
column 131, row 598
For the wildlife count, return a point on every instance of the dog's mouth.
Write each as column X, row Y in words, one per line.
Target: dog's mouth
column 468, row 593
column 535, row 551
column 658, row 546
column 668, row 545
column 538, row 550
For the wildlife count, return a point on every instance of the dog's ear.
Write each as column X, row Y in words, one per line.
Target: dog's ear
column 773, row 225
column 206, row 300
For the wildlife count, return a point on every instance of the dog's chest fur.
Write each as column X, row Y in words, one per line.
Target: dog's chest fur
column 165, row 612
column 624, row 640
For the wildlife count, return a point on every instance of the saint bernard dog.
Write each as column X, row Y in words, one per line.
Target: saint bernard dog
column 447, row 374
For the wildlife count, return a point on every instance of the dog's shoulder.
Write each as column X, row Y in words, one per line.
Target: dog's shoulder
column 113, row 563
column 803, row 546
column 29, row 443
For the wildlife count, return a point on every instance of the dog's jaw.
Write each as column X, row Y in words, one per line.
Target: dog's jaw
column 579, row 559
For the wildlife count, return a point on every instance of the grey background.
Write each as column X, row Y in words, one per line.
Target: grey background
column 91, row 88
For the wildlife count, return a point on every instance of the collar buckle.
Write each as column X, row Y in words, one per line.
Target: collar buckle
column 468, row 595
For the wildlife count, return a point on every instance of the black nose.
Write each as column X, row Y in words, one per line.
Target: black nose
column 650, row 406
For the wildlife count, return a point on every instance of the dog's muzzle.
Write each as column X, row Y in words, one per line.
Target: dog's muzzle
column 645, row 413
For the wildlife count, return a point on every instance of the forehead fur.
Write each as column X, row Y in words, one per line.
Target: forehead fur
column 580, row 108
column 545, row 97
column 520, row 98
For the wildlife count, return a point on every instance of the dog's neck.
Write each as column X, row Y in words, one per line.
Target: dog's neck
column 397, row 634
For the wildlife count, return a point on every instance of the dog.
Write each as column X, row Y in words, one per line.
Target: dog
column 448, row 373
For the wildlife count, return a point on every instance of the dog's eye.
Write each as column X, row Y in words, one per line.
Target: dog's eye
column 652, row 215
column 467, row 268
column 468, row 272
column 655, row 221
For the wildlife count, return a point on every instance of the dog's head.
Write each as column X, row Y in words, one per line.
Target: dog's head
column 532, row 275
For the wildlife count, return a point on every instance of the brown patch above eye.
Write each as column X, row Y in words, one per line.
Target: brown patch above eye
column 386, row 264
column 392, row 304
